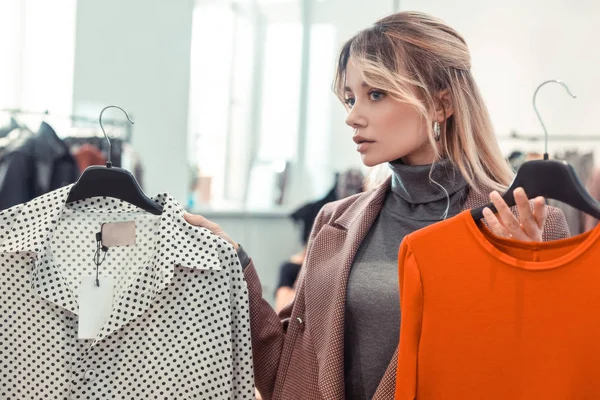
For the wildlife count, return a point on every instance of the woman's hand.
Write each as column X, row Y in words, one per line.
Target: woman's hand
column 527, row 228
column 200, row 221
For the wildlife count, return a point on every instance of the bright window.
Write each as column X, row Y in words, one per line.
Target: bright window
column 37, row 43
column 211, row 62
column 281, row 92
column 246, row 100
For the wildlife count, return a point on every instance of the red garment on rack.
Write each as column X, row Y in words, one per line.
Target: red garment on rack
column 88, row 155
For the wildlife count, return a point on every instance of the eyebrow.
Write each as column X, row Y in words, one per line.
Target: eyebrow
column 347, row 88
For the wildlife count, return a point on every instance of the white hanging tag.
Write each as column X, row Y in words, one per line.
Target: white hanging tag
column 95, row 305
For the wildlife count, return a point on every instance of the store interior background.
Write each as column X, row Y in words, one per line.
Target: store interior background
column 226, row 94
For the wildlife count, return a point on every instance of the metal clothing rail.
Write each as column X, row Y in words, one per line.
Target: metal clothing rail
column 76, row 118
column 539, row 138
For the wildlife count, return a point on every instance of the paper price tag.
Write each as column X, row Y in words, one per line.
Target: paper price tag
column 118, row 234
column 95, row 305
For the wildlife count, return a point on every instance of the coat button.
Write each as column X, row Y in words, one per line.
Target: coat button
column 90, row 375
column 299, row 320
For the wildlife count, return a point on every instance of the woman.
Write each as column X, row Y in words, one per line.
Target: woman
column 416, row 111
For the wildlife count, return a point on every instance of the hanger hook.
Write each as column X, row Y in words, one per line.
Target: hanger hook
column 538, row 112
column 108, row 161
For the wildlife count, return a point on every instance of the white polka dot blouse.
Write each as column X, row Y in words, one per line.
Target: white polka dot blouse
column 177, row 325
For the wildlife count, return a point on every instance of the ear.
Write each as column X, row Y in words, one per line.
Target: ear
column 444, row 109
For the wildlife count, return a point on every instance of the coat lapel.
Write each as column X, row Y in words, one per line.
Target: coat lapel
column 477, row 198
column 327, row 274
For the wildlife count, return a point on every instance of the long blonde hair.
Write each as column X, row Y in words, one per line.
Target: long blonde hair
column 414, row 56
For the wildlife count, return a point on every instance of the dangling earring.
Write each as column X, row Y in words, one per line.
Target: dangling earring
column 436, row 131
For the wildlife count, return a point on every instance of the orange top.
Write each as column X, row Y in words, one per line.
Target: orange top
column 491, row 318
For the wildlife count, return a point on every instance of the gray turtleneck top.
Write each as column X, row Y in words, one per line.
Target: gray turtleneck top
column 372, row 324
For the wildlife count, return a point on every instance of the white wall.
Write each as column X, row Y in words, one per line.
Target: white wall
column 516, row 45
column 136, row 54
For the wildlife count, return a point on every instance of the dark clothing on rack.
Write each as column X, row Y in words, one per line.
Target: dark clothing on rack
column 593, row 186
column 288, row 273
column 5, row 130
column 583, row 165
column 308, row 213
column 346, row 184
column 35, row 166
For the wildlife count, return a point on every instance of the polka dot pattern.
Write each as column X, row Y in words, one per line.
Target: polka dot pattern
column 179, row 327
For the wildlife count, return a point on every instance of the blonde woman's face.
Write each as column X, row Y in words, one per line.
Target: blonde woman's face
column 384, row 128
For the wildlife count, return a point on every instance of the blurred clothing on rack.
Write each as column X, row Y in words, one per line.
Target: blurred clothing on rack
column 583, row 165
column 35, row 165
column 87, row 155
column 516, row 159
column 131, row 161
column 593, row 186
column 100, row 143
column 346, row 184
column 349, row 183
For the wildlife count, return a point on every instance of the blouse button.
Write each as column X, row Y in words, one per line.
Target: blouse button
column 89, row 375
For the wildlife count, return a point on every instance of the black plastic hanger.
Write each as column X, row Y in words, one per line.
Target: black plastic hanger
column 113, row 182
column 551, row 179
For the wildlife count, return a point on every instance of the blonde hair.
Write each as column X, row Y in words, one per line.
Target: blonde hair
column 414, row 57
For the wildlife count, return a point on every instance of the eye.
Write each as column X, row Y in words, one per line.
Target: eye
column 350, row 101
column 376, row 95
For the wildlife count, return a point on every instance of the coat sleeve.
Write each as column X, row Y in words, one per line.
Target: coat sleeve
column 411, row 306
column 269, row 328
column 556, row 226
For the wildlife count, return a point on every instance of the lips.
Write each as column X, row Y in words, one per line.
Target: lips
column 360, row 139
column 362, row 143
column 363, row 146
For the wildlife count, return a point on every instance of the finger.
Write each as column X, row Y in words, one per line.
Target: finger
column 494, row 223
column 528, row 223
column 540, row 211
column 507, row 218
column 199, row 220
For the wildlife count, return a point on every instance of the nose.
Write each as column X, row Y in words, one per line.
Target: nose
column 355, row 120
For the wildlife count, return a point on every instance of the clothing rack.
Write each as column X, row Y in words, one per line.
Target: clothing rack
column 514, row 135
column 126, row 137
